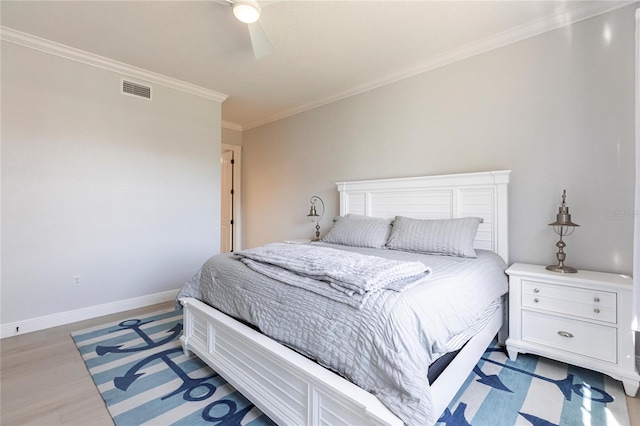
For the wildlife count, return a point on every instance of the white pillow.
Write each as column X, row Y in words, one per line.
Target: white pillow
column 450, row 237
column 359, row 231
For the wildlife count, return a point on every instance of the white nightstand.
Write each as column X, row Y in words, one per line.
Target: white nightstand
column 582, row 319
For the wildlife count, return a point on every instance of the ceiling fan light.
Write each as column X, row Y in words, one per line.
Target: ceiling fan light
column 246, row 11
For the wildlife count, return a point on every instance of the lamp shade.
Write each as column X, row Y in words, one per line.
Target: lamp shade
column 563, row 218
column 246, row 11
column 313, row 214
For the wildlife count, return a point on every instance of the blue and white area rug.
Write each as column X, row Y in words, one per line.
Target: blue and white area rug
column 144, row 377
column 535, row 391
column 142, row 374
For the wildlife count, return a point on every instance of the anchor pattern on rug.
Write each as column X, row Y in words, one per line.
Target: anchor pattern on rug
column 222, row 412
column 135, row 325
column 566, row 387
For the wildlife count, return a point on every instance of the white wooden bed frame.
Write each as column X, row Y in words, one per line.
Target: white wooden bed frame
column 293, row 390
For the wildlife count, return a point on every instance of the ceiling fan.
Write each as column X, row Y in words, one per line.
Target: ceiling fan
column 248, row 11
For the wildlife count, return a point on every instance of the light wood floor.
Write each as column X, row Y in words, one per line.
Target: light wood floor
column 43, row 380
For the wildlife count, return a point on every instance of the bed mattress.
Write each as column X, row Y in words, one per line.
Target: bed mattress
column 387, row 345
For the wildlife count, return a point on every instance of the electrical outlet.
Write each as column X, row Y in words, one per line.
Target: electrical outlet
column 76, row 281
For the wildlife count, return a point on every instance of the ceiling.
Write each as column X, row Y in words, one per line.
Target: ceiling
column 325, row 50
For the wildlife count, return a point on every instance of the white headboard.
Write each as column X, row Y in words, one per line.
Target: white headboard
column 481, row 194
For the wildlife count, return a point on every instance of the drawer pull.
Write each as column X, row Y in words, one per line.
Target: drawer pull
column 565, row 334
column 596, row 310
column 536, row 300
column 536, row 290
column 596, row 299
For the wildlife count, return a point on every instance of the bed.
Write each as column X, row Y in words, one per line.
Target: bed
column 293, row 388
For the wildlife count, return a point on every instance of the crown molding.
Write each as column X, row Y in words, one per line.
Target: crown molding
column 27, row 40
column 559, row 20
column 232, row 126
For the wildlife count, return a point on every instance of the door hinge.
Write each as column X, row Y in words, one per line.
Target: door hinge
column 231, row 222
column 232, row 192
column 233, row 161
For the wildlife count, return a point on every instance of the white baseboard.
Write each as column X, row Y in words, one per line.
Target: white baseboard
column 62, row 318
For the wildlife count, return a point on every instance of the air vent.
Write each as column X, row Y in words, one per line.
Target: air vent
column 136, row 89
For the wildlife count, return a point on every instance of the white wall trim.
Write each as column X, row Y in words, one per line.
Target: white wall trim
column 231, row 125
column 62, row 318
column 505, row 38
column 636, row 213
column 23, row 39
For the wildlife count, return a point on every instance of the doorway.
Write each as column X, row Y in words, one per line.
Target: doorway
column 230, row 199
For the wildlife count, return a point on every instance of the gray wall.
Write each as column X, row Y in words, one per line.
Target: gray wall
column 121, row 191
column 231, row 136
column 556, row 109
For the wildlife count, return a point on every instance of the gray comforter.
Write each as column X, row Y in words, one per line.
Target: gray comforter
column 386, row 346
column 346, row 277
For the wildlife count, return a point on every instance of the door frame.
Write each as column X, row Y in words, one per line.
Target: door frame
column 237, row 194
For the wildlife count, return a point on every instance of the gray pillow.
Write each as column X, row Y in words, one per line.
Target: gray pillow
column 359, row 231
column 450, row 237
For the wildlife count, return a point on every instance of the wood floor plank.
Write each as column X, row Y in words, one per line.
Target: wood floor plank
column 43, row 379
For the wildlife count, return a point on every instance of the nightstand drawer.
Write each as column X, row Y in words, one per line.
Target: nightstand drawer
column 591, row 340
column 582, row 302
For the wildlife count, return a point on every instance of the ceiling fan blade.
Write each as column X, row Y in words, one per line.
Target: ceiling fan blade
column 262, row 45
